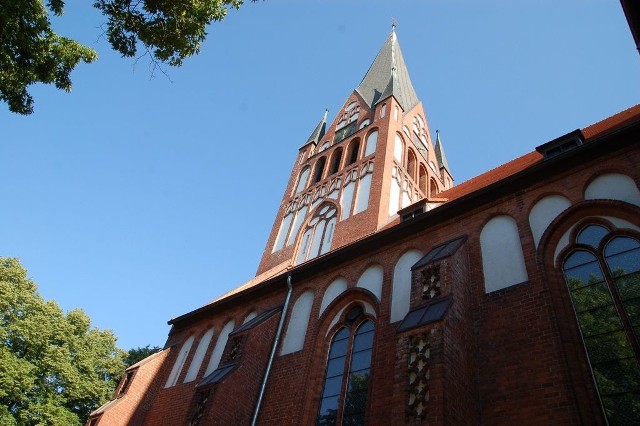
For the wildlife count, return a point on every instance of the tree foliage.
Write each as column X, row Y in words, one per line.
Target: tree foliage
column 135, row 355
column 31, row 52
column 169, row 31
column 54, row 368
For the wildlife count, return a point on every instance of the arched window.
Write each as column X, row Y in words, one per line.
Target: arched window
column 177, row 366
column 335, row 161
column 302, row 180
column 196, row 362
column 354, row 151
column 422, row 180
column 318, row 236
column 398, row 149
column 433, row 187
column 602, row 275
column 346, row 380
column 411, row 164
column 319, row 170
column 372, row 140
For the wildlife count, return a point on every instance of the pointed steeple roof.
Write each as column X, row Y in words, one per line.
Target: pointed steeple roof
column 439, row 150
column 319, row 131
column 388, row 76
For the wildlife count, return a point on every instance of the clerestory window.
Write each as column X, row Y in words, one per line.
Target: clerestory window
column 346, row 382
column 602, row 274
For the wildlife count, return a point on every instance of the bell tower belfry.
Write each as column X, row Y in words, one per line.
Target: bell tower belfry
column 352, row 176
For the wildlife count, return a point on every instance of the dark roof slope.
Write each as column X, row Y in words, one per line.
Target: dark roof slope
column 387, row 76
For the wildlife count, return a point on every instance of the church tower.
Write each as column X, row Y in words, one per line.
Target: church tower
column 352, row 176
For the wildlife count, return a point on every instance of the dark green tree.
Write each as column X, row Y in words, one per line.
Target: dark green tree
column 136, row 355
column 31, row 52
column 54, row 368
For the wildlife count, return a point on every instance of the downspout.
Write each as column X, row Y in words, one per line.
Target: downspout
column 274, row 348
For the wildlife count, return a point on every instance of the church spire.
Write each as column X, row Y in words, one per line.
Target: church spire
column 439, row 151
column 319, row 131
column 388, row 76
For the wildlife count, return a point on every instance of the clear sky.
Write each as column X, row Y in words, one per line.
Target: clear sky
column 139, row 199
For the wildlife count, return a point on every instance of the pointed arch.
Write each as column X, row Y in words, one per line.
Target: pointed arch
column 318, row 234
column 318, row 170
column 422, row 179
column 371, row 279
column 335, row 289
column 347, row 370
column 216, row 355
column 179, row 364
column 354, row 151
column 544, row 211
column 411, row 163
column 398, row 149
column 298, row 324
column 303, row 178
column 433, row 187
column 401, row 287
column 503, row 262
column 336, row 160
column 600, row 273
column 372, row 141
column 198, row 357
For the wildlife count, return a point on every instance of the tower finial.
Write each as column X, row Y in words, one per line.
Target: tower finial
column 394, row 23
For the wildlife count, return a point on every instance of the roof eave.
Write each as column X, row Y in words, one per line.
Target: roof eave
column 595, row 148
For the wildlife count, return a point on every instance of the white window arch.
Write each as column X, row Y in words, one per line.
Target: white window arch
column 502, row 258
column 177, row 366
column 543, row 213
column 334, row 290
column 613, row 186
column 398, row 149
column 372, row 141
column 196, row 362
column 302, row 180
column 318, row 236
column 298, row 323
column 216, row 355
column 371, row 279
column 401, row 288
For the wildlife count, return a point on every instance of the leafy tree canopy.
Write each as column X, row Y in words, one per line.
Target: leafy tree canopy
column 31, row 52
column 54, row 368
column 136, row 355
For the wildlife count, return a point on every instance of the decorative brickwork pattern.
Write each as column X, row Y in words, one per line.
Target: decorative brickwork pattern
column 233, row 351
column 431, row 282
column 199, row 406
column 419, row 369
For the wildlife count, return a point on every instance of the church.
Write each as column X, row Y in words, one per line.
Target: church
column 387, row 295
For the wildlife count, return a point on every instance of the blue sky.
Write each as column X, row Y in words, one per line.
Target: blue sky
column 139, row 199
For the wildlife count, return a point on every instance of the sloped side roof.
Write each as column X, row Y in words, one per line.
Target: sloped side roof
column 492, row 176
column 514, row 166
column 474, row 184
column 387, row 76
column 612, row 123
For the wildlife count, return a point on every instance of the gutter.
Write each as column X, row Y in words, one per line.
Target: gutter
column 274, row 348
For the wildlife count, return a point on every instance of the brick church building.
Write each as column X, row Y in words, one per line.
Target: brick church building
column 387, row 295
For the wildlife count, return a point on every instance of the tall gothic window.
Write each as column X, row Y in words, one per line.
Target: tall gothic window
column 603, row 278
column 346, row 382
column 318, row 234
